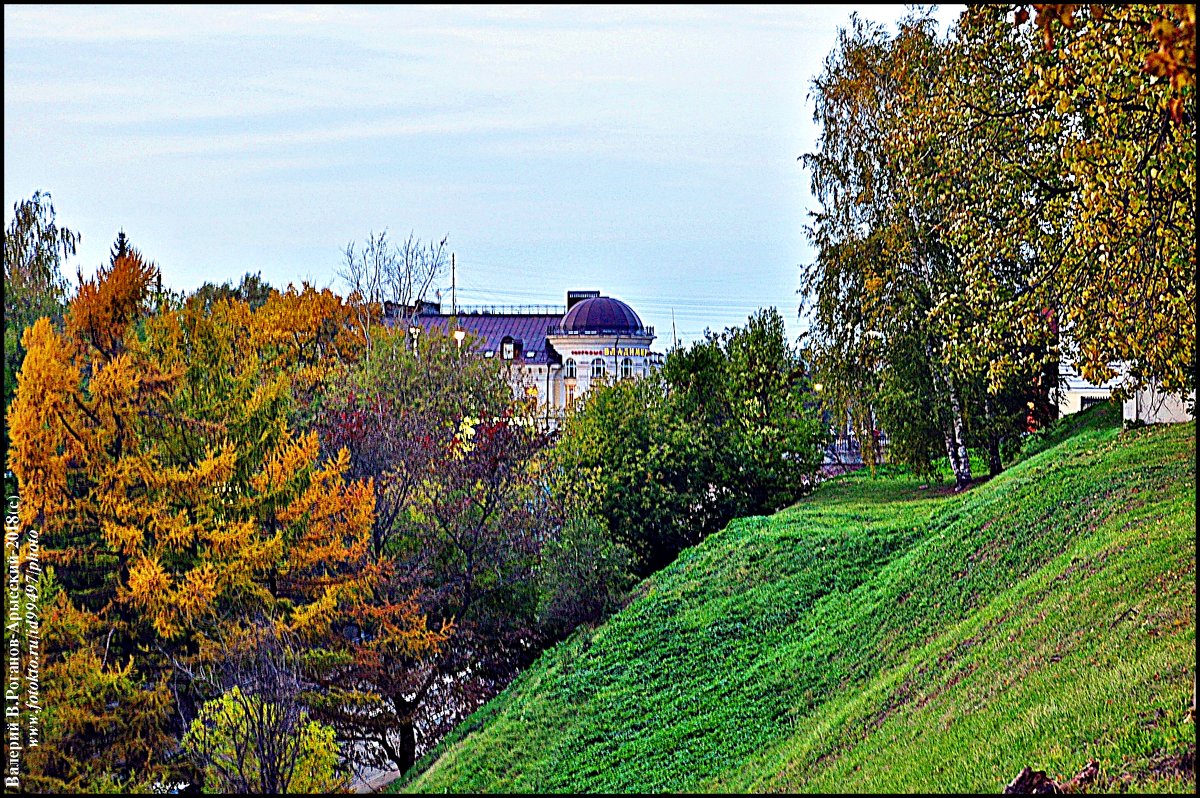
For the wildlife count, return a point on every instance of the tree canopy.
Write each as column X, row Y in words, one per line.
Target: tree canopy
column 154, row 454
column 728, row 428
column 994, row 202
column 35, row 248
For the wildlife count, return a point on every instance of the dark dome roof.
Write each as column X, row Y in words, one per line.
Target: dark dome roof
column 602, row 314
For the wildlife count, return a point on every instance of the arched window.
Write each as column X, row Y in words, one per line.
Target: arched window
column 627, row 368
column 598, row 370
column 569, row 368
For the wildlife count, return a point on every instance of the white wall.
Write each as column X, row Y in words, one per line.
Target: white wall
column 1151, row 406
column 1069, row 396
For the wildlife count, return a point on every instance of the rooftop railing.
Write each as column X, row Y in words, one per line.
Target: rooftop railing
column 639, row 332
column 510, row 310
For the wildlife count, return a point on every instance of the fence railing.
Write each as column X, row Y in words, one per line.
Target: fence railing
column 497, row 310
column 848, row 451
column 646, row 332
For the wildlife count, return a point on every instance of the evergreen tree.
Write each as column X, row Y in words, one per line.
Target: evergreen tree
column 121, row 248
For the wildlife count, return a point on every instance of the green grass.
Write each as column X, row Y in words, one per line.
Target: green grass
column 881, row 637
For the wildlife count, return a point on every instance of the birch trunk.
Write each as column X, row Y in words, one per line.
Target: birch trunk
column 957, row 441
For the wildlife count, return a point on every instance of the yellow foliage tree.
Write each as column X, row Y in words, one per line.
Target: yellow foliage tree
column 153, row 452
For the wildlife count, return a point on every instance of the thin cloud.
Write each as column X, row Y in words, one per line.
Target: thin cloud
column 644, row 150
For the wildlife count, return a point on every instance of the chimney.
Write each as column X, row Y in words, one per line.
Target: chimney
column 575, row 297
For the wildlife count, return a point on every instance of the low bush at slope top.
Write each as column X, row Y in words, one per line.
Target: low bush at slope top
column 880, row 637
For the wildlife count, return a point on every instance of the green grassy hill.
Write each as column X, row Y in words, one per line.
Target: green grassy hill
column 880, row 637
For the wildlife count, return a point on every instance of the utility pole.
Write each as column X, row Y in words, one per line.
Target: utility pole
column 453, row 288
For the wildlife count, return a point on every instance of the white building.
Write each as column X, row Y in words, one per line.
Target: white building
column 1148, row 405
column 556, row 354
column 1073, row 393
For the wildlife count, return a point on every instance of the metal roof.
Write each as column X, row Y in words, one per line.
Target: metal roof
column 529, row 327
column 527, row 330
column 601, row 314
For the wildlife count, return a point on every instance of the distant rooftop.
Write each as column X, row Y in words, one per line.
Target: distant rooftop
column 526, row 326
column 514, row 310
column 526, row 331
column 601, row 315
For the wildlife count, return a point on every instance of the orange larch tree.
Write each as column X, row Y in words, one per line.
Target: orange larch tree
column 154, row 455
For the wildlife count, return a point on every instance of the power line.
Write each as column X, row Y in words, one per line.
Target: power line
column 687, row 302
column 717, row 284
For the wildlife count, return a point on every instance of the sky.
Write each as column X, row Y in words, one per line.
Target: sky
column 650, row 153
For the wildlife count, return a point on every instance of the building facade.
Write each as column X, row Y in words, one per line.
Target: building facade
column 554, row 355
column 1152, row 405
column 1147, row 404
column 1073, row 393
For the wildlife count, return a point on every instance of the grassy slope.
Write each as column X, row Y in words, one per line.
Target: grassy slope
column 877, row 637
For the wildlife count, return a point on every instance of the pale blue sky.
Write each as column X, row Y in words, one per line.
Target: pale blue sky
column 648, row 152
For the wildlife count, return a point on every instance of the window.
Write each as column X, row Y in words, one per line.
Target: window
column 569, row 369
column 627, row 368
column 598, row 370
column 506, row 349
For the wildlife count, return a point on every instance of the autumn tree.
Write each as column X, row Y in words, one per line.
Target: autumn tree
column 459, row 519
column 910, row 324
column 881, row 272
column 306, row 332
column 154, row 453
column 1087, row 123
column 34, row 286
column 1052, row 154
column 108, row 725
column 477, row 532
column 253, row 290
column 256, row 735
column 249, row 745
